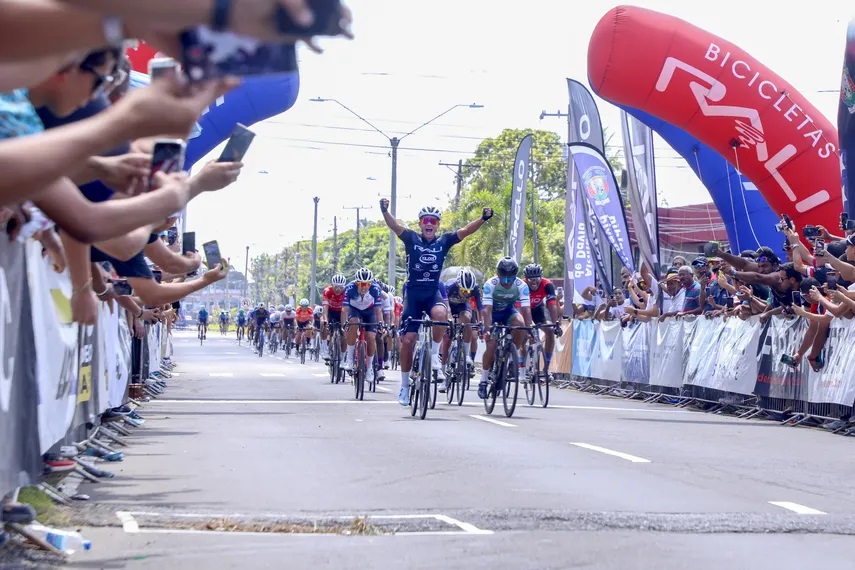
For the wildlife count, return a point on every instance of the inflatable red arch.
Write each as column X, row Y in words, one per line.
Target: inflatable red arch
column 726, row 99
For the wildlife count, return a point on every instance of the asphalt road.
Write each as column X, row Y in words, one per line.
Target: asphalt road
column 590, row 482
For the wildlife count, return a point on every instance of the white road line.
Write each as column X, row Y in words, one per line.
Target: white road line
column 269, row 402
column 491, row 420
column 318, row 375
column 612, row 452
column 273, row 374
column 221, row 374
column 382, row 389
column 464, row 526
column 796, row 508
column 176, row 373
column 129, row 524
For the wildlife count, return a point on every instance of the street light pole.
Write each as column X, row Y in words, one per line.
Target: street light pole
column 358, row 209
column 313, row 278
column 246, row 273
column 394, row 143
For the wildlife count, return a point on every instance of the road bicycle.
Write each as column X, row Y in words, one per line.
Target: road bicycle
column 423, row 381
column 359, row 372
column 504, row 373
column 336, row 373
column 536, row 380
column 456, row 365
column 203, row 332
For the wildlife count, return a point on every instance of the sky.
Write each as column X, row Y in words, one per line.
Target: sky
column 410, row 62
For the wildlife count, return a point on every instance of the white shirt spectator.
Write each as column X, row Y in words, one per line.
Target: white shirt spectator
column 673, row 304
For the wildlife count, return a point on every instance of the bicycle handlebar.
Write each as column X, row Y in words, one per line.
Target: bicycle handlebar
column 429, row 322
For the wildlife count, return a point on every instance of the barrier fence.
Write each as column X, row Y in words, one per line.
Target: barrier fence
column 730, row 363
column 57, row 378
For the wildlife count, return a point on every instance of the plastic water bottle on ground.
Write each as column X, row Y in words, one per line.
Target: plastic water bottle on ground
column 66, row 540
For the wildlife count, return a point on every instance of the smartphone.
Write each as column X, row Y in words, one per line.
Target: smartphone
column 831, row 282
column 158, row 275
column 849, row 225
column 327, row 20
column 162, row 66
column 729, row 302
column 171, row 236
column 797, row 297
column 208, row 54
column 238, row 144
column 844, row 219
column 212, row 254
column 787, row 220
column 188, row 239
column 167, row 156
column 122, row 287
column 812, row 232
column 819, row 247
column 788, row 360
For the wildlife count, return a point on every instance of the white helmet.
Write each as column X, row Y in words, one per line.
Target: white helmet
column 430, row 211
column 288, row 308
column 304, row 303
column 466, row 279
column 319, row 310
column 280, row 308
column 339, row 281
column 364, row 275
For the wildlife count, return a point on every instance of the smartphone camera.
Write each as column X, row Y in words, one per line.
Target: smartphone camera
column 797, row 298
column 812, row 232
column 849, row 225
column 729, row 302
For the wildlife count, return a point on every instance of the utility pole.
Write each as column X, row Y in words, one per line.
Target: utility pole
column 246, row 273
column 297, row 274
column 228, row 297
column 313, row 277
column 459, row 176
column 358, row 223
column 335, row 245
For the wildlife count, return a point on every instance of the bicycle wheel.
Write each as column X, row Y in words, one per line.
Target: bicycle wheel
column 425, row 382
column 260, row 343
column 302, row 350
column 511, row 372
column 492, row 392
column 451, row 374
column 359, row 370
column 335, row 358
column 461, row 371
column 415, row 386
column 531, row 375
column 543, row 380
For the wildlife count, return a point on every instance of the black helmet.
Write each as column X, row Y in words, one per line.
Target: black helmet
column 533, row 271
column 507, row 267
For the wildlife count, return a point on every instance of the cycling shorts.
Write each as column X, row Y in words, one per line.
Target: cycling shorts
column 458, row 308
column 540, row 315
column 368, row 315
column 419, row 300
column 334, row 316
column 302, row 325
column 504, row 316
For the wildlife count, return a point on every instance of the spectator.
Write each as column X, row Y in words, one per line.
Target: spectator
column 692, row 290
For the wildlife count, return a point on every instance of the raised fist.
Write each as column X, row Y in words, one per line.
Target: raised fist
column 486, row 214
column 384, row 205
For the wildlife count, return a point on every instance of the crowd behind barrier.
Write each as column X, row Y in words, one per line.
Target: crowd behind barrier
column 57, row 378
column 721, row 364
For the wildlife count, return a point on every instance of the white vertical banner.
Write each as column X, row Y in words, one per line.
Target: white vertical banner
column 608, row 352
column 101, row 376
column 122, row 348
column 55, row 339
column 666, row 353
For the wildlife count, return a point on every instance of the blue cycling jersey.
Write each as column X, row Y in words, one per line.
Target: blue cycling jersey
column 455, row 297
column 203, row 315
column 426, row 258
column 353, row 299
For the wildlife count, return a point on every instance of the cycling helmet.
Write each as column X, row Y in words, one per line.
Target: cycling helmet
column 384, row 287
column 533, row 271
column 392, row 291
column 288, row 308
column 507, row 267
column 280, row 308
column 339, row 281
column 261, row 305
column 364, row 275
column 466, row 279
column 319, row 310
column 430, row 211
column 304, row 303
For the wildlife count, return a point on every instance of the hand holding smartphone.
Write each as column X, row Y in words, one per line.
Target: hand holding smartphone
column 167, row 157
column 188, row 241
column 239, row 142
column 212, row 254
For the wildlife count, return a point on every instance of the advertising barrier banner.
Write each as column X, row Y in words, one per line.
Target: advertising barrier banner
column 835, row 383
column 608, row 352
column 636, row 353
column 666, row 353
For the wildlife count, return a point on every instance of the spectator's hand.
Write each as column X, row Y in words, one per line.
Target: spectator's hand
column 14, row 218
column 84, row 307
column 837, row 296
column 149, row 315
column 139, row 328
column 217, row 175
column 195, row 258
column 384, row 205
column 217, row 273
column 122, row 173
column 814, row 294
column 824, row 233
column 631, row 310
column 53, row 247
column 175, row 182
column 169, row 105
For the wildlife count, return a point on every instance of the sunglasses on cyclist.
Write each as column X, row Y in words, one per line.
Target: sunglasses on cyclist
column 507, row 279
column 465, row 291
column 430, row 220
column 363, row 283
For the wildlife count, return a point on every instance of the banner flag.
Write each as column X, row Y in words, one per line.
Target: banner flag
column 641, row 172
column 846, row 122
column 19, row 419
column 601, row 190
column 55, row 337
column 516, row 229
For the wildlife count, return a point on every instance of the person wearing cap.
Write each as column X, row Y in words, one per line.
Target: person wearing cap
column 673, row 296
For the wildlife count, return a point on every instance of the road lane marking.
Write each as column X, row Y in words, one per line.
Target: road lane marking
column 129, row 524
column 603, row 408
column 611, row 452
column 221, row 374
column 268, row 402
column 491, row 420
column 318, row 375
column 273, row 374
column 796, row 508
column 382, row 389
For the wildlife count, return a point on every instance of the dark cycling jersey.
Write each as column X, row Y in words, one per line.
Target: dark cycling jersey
column 455, row 297
column 260, row 316
column 426, row 258
column 545, row 293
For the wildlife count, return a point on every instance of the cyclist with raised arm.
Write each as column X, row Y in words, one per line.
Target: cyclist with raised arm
column 544, row 307
column 363, row 302
column 501, row 295
column 426, row 253
column 460, row 290
column 333, row 298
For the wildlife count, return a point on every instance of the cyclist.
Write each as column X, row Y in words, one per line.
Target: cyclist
column 544, row 307
column 383, row 336
column 501, row 294
column 460, row 290
column 305, row 316
column 288, row 318
column 319, row 312
column 426, row 253
column 250, row 333
column 224, row 322
column 260, row 318
column 241, row 321
column 333, row 298
column 203, row 322
column 363, row 302
column 473, row 344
